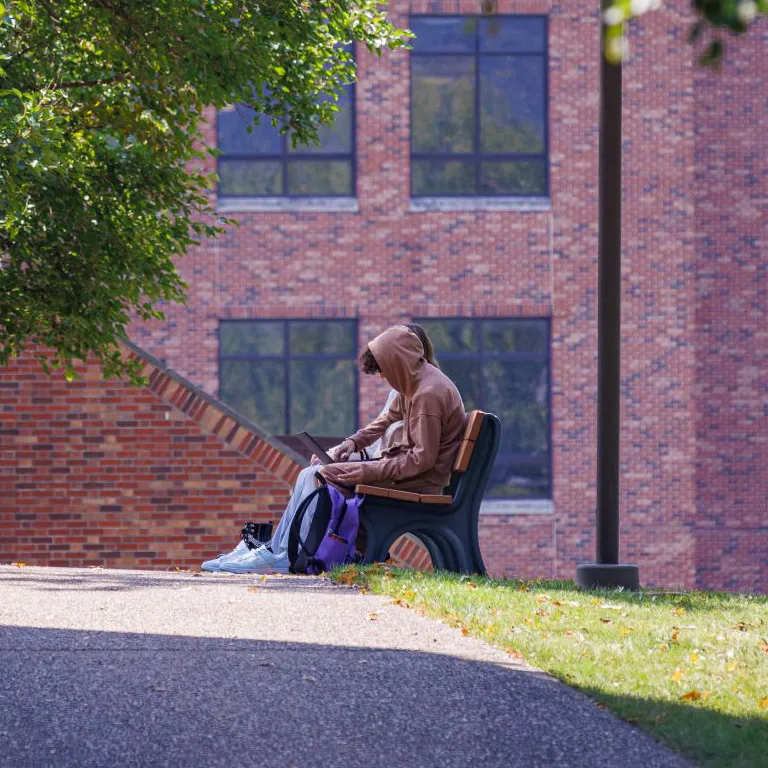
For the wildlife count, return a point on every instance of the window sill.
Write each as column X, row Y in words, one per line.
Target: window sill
column 288, row 205
column 517, row 507
column 422, row 204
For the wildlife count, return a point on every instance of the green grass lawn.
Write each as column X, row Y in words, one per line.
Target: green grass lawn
column 691, row 668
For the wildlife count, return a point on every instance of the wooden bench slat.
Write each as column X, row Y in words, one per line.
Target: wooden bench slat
column 393, row 493
column 474, row 425
column 463, row 456
column 372, row 490
column 404, row 496
column 435, row 498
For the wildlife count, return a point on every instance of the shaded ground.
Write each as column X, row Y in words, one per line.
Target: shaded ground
column 126, row 668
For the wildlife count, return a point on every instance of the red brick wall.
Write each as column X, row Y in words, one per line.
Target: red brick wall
column 98, row 472
column 695, row 382
column 682, row 466
column 731, row 302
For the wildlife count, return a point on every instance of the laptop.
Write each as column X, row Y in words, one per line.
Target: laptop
column 311, row 444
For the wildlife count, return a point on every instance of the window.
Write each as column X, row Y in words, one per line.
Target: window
column 265, row 164
column 502, row 366
column 479, row 106
column 289, row 375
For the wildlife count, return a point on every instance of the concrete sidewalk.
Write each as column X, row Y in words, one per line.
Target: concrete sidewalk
column 133, row 668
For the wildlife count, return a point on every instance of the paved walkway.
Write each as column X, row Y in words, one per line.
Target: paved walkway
column 128, row 668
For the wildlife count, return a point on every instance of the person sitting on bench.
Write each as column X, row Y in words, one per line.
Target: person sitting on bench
column 432, row 411
column 408, row 356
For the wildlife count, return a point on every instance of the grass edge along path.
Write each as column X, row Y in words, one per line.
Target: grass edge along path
column 690, row 668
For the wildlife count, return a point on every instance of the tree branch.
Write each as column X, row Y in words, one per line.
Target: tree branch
column 78, row 83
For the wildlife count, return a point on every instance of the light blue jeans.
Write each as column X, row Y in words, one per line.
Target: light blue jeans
column 305, row 484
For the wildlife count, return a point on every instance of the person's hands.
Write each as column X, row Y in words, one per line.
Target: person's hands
column 342, row 452
column 314, row 461
column 349, row 473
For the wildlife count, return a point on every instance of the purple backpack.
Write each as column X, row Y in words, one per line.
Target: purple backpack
column 330, row 539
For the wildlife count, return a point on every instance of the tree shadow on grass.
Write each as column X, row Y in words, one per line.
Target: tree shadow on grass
column 690, row 600
column 703, row 735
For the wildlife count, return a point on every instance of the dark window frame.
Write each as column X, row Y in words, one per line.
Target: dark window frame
column 286, row 357
column 477, row 157
column 481, row 355
column 285, row 157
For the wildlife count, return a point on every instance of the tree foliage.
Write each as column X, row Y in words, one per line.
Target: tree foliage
column 100, row 151
column 712, row 19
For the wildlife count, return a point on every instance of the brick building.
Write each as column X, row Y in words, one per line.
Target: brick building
column 458, row 189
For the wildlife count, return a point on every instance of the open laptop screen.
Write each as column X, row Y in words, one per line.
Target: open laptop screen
column 312, row 445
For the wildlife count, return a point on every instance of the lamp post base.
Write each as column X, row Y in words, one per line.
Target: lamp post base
column 607, row 576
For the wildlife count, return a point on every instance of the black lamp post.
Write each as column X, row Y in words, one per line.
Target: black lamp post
column 607, row 571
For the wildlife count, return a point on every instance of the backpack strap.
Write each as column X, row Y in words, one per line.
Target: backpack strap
column 294, row 537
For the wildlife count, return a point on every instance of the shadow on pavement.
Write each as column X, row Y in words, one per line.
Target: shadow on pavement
column 105, row 580
column 77, row 698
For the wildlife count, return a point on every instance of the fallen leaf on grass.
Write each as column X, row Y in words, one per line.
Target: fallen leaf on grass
column 541, row 599
column 695, row 658
column 763, row 703
column 541, row 612
column 679, row 611
column 606, row 621
column 471, row 585
column 464, row 631
column 556, row 602
column 678, row 675
column 675, row 635
column 764, row 646
column 523, row 588
column 347, row 575
column 399, row 601
column 626, row 631
column 731, row 666
column 663, row 647
column 515, row 654
column 693, row 695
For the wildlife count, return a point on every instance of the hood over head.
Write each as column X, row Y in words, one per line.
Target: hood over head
column 400, row 355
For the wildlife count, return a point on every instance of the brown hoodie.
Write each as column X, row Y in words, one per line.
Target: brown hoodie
column 432, row 411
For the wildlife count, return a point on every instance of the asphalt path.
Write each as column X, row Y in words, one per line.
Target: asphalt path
column 102, row 667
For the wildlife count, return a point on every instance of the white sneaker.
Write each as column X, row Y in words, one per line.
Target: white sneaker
column 216, row 563
column 259, row 560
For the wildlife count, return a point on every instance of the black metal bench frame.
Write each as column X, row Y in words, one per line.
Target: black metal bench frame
column 449, row 531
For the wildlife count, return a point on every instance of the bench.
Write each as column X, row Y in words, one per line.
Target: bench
column 445, row 523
